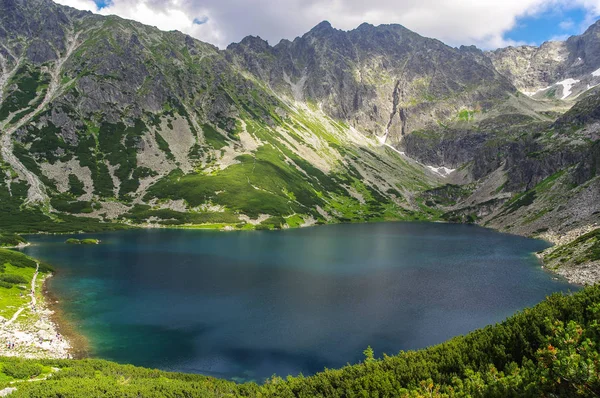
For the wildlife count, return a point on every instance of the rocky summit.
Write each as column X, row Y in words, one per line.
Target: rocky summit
column 106, row 122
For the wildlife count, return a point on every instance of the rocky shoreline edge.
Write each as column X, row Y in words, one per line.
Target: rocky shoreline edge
column 78, row 343
column 582, row 274
column 40, row 331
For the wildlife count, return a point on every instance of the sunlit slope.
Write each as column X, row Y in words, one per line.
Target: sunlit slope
column 112, row 120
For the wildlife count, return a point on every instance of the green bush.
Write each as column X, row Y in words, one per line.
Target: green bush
column 86, row 241
column 10, row 239
column 21, row 260
column 11, row 278
column 6, row 285
column 65, row 204
column 76, row 187
column 16, row 259
column 21, row 369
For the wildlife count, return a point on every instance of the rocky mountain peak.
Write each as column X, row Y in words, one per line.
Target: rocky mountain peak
column 321, row 27
column 365, row 26
column 595, row 27
column 254, row 43
column 555, row 69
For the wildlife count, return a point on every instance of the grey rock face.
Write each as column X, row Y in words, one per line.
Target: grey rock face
column 536, row 70
column 531, row 68
column 449, row 148
column 378, row 78
column 584, row 51
column 42, row 20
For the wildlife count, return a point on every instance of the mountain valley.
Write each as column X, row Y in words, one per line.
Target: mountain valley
column 107, row 123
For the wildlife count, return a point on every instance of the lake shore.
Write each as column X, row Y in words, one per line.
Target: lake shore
column 581, row 274
column 128, row 311
column 79, row 344
column 19, row 246
column 35, row 331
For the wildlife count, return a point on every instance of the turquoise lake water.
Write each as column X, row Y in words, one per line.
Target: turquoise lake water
column 247, row 305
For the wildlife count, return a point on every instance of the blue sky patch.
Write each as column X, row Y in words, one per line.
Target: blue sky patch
column 103, row 3
column 200, row 21
column 549, row 25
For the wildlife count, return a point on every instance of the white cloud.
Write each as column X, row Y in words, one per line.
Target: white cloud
column 566, row 24
column 87, row 5
column 559, row 37
column 479, row 22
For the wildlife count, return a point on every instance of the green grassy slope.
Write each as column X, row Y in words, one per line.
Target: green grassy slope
column 144, row 118
column 16, row 272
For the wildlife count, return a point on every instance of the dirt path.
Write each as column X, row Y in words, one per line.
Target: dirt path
column 6, row 72
column 33, row 299
column 9, row 390
column 3, row 75
column 37, row 190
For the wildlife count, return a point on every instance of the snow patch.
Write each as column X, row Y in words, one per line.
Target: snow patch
column 532, row 93
column 596, row 72
column 395, row 150
column 441, row 171
column 567, row 85
column 383, row 139
column 589, row 86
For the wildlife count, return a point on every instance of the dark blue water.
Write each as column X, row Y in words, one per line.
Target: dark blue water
column 246, row 305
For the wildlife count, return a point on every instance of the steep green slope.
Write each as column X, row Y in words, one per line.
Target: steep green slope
column 123, row 122
column 548, row 350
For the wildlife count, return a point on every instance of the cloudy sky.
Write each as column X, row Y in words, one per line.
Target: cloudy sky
column 485, row 23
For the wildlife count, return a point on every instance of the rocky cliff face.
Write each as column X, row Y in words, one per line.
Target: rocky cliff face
column 538, row 179
column 529, row 67
column 110, row 119
column 386, row 80
column 561, row 70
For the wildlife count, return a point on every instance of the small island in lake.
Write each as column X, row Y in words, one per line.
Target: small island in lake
column 88, row 241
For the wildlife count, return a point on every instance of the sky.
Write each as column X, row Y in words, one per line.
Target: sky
column 484, row 23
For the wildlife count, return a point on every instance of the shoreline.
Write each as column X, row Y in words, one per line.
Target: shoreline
column 584, row 274
column 587, row 274
column 19, row 246
column 78, row 343
column 557, row 274
column 75, row 345
column 34, row 332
